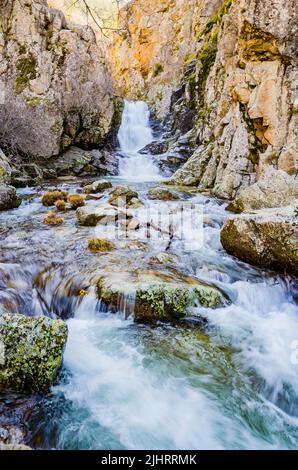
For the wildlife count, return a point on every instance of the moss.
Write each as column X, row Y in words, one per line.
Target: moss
column 26, row 70
column 76, row 201
column 100, row 245
column 118, row 111
column 60, row 205
column 167, row 302
column 37, row 101
column 53, row 219
column 258, row 45
column 22, row 49
column 157, row 70
column 33, row 352
column 49, row 198
column 218, row 16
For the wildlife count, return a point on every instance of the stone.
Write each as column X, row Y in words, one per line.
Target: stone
column 90, row 216
column 268, row 238
column 97, row 187
column 155, row 296
column 5, row 169
column 33, row 352
column 100, row 245
column 122, row 196
column 50, row 113
column 162, row 194
column 274, row 189
column 8, row 198
column 76, row 201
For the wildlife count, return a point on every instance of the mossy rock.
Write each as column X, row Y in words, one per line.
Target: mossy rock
column 122, row 195
column 162, row 194
column 49, row 198
column 60, row 205
column 8, row 198
column 97, row 187
column 100, row 245
column 168, row 302
column 33, row 352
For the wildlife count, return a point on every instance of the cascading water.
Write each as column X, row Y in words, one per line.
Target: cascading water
column 134, row 134
column 232, row 385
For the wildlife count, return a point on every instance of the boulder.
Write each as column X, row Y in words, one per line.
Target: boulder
column 97, row 186
column 32, row 350
column 8, row 198
column 155, row 296
column 162, row 194
column 267, row 238
column 90, row 216
column 122, row 195
column 275, row 189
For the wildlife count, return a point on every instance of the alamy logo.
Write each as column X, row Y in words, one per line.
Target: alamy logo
column 182, row 222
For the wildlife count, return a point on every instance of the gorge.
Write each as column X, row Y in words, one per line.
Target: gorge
column 148, row 219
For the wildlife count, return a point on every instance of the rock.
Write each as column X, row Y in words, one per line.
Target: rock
column 48, row 113
column 8, row 198
column 5, row 169
column 53, row 219
column 90, row 216
column 60, row 205
column 33, row 173
column 162, row 258
column 275, row 189
column 156, row 148
column 97, row 187
column 168, row 302
column 100, row 245
column 130, row 224
column 33, row 352
column 152, row 297
column 122, row 196
column 12, row 438
column 267, row 238
column 135, row 203
column 49, row 198
column 76, row 201
column 162, row 194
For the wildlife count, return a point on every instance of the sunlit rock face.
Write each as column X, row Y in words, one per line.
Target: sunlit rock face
column 55, row 87
column 238, row 93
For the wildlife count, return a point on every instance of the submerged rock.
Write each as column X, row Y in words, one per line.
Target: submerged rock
column 33, row 352
column 97, row 186
column 267, row 238
column 8, row 198
column 275, row 189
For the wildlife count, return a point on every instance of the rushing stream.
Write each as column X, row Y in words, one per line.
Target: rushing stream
column 231, row 385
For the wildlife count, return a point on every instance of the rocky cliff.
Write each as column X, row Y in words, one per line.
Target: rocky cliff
column 233, row 64
column 55, row 88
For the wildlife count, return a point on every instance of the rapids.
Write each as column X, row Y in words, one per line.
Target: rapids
column 231, row 385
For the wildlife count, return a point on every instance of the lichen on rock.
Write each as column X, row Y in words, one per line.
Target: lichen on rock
column 33, row 352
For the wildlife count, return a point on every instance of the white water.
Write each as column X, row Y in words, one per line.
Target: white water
column 134, row 134
column 135, row 387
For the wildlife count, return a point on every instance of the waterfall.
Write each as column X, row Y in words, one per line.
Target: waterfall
column 134, row 134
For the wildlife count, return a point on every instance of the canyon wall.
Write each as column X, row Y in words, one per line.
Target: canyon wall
column 55, row 88
column 233, row 63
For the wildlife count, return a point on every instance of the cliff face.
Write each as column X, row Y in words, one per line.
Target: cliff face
column 238, row 62
column 55, row 88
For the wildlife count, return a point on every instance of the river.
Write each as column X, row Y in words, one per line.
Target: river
column 232, row 384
